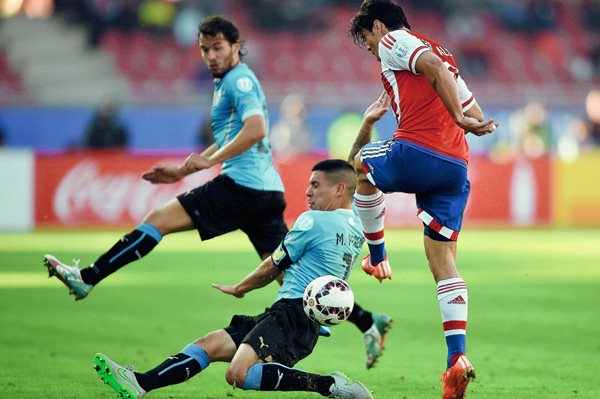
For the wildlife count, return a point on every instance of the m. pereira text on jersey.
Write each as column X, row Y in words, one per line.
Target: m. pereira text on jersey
column 351, row 240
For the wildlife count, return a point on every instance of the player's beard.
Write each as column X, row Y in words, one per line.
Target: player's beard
column 228, row 67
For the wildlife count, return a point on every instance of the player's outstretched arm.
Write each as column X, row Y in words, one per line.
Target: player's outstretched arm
column 164, row 174
column 172, row 173
column 253, row 131
column 444, row 84
column 372, row 114
column 261, row 276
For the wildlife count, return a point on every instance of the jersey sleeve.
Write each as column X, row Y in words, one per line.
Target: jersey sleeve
column 399, row 50
column 301, row 237
column 243, row 93
column 467, row 99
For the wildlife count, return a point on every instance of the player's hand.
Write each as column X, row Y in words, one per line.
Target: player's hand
column 381, row 271
column 472, row 125
column 163, row 174
column 376, row 110
column 195, row 162
column 229, row 290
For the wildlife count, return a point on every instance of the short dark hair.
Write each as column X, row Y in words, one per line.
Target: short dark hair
column 338, row 170
column 215, row 24
column 387, row 11
column 329, row 165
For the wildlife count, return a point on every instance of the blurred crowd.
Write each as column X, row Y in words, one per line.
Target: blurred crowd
column 548, row 26
column 464, row 19
column 530, row 133
column 161, row 17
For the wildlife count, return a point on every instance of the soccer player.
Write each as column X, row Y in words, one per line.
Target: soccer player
column 247, row 195
column 263, row 349
column 428, row 156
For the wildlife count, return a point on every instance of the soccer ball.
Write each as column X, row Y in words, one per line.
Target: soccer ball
column 328, row 300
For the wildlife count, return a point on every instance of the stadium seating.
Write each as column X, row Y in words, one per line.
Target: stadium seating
column 11, row 84
column 158, row 68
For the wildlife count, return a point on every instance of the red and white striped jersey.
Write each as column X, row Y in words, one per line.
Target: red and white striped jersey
column 421, row 115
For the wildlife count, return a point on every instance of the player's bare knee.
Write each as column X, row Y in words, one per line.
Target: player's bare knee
column 155, row 217
column 236, row 375
column 203, row 342
column 210, row 343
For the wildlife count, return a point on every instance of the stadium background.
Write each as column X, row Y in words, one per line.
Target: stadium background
column 533, row 65
column 529, row 250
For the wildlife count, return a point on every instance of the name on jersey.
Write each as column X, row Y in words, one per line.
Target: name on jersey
column 349, row 239
column 441, row 50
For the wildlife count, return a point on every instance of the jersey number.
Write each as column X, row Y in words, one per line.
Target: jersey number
column 349, row 260
column 452, row 69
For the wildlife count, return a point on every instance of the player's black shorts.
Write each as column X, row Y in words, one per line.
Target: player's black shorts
column 221, row 206
column 283, row 331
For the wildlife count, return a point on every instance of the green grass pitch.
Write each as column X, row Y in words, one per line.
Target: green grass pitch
column 534, row 316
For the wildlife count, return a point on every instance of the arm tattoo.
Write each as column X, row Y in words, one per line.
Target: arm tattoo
column 363, row 138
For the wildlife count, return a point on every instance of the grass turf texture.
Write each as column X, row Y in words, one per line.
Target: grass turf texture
column 533, row 317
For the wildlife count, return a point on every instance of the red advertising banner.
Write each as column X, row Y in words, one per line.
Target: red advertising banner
column 89, row 189
column 94, row 189
column 517, row 193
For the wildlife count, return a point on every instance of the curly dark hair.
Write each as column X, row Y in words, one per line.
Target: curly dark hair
column 215, row 24
column 387, row 11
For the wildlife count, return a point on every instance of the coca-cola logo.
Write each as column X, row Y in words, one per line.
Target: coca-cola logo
column 86, row 193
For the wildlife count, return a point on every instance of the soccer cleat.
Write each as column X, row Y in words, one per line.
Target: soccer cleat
column 345, row 387
column 455, row 379
column 380, row 271
column 375, row 337
column 121, row 379
column 324, row 331
column 69, row 275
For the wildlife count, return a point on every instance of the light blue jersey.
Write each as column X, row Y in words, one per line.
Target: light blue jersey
column 320, row 243
column 238, row 95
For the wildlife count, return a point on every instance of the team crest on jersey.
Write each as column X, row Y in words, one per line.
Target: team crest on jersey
column 304, row 222
column 244, row 84
column 400, row 50
column 217, row 97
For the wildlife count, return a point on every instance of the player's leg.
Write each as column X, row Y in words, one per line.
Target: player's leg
column 452, row 295
column 211, row 209
column 374, row 327
column 134, row 245
column 170, row 218
column 265, row 359
column 453, row 301
column 216, row 346
column 265, row 225
column 369, row 201
column 249, row 372
column 269, row 338
column 441, row 213
column 180, row 367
